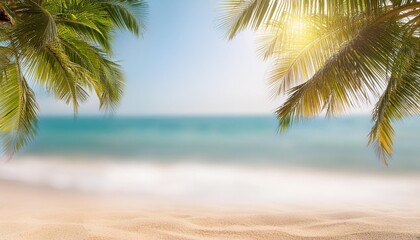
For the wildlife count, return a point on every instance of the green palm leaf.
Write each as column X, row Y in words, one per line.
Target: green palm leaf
column 51, row 67
column 400, row 99
column 347, row 79
column 331, row 56
column 18, row 109
column 35, row 26
column 64, row 46
column 123, row 13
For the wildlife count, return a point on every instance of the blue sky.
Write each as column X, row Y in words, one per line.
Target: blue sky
column 183, row 64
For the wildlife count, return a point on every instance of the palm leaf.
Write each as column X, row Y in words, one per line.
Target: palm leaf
column 347, row 79
column 340, row 55
column 88, row 19
column 52, row 68
column 400, row 99
column 109, row 85
column 18, row 109
column 125, row 13
column 255, row 14
column 35, row 26
column 104, row 75
column 297, row 54
column 64, row 46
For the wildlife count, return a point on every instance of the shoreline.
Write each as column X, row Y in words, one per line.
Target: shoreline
column 215, row 183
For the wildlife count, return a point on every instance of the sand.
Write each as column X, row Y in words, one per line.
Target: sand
column 41, row 214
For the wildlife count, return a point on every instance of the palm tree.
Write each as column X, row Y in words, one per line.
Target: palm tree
column 64, row 46
column 330, row 56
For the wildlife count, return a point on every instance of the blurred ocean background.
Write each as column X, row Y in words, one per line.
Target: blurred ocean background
column 237, row 159
column 321, row 143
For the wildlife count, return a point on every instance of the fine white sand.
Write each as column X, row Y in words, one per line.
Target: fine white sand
column 303, row 205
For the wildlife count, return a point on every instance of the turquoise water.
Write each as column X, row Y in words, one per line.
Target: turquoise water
column 322, row 143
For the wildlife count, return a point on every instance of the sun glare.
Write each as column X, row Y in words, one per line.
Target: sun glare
column 299, row 29
column 297, row 23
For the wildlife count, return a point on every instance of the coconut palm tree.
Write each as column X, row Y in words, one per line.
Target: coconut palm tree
column 330, row 56
column 64, row 46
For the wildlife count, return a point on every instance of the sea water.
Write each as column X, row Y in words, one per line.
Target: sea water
column 228, row 159
column 321, row 143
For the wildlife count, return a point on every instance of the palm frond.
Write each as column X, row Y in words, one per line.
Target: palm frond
column 35, row 26
column 348, row 79
column 125, row 14
column 105, row 76
column 241, row 14
column 400, row 99
column 18, row 109
column 256, row 14
column 298, row 52
column 88, row 19
column 109, row 84
column 64, row 46
column 52, row 68
column 331, row 56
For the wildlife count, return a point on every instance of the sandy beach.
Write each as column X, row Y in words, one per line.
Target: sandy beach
column 209, row 120
column 35, row 212
column 32, row 214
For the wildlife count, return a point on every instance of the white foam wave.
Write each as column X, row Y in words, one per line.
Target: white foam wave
column 206, row 182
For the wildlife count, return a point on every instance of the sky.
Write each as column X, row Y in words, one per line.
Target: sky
column 184, row 65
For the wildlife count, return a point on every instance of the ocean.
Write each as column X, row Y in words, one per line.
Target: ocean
column 230, row 159
column 318, row 143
